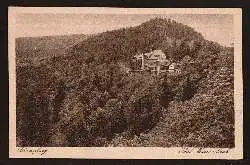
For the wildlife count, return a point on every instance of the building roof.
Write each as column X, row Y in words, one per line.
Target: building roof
column 173, row 63
column 158, row 51
column 156, row 54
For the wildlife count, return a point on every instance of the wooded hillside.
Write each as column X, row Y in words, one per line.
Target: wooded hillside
column 84, row 98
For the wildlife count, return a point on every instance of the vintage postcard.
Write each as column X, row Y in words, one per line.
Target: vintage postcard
column 125, row 83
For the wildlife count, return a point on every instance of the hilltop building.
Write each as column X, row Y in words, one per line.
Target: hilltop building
column 156, row 62
column 174, row 68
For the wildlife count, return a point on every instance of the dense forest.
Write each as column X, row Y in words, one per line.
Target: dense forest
column 83, row 97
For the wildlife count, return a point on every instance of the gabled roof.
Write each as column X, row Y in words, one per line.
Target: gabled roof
column 173, row 63
column 156, row 54
column 158, row 51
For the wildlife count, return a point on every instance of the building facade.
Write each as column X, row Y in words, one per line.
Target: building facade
column 156, row 62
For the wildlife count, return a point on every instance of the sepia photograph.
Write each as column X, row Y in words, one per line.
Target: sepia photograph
column 125, row 83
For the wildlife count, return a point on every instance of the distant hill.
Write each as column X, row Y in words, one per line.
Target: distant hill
column 36, row 48
column 122, row 44
column 83, row 96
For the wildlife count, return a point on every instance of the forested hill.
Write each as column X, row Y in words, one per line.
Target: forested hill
column 122, row 44
column 83, row 97
column 174, row 39
column 34, row 49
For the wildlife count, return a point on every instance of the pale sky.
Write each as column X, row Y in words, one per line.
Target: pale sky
column 213, row 27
